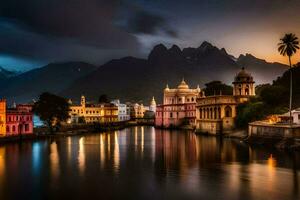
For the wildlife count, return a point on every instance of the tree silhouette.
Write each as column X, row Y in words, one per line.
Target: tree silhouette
column 288, row 46
column 103, row 99
column 51, row 109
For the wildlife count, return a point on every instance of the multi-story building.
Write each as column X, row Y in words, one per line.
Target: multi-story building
column 179, row 106
column 92, row 113
column 123, row 115
column 85, row 112
column 110, row 113
column 19, row 120
column 137, row 111
column 216, row 114
column 2, row 117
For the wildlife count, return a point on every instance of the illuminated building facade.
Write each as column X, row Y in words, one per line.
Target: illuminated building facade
column 178, row 108
column 216, row 114
column 152, row 106
column 2, row 117
column 19, row 120
column 123, row 114
column 137, row 111
column 111, row 113
column 92, row 113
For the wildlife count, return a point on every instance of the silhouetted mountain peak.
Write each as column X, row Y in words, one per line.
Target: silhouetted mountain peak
column 223, row 50
column 158, row 51
column 159, row 48
column 250, row 58
column 4, row 73
column 175, row 49
column 206, row 45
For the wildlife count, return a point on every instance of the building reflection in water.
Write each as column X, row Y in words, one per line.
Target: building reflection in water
column 142, row 140
column 116, row 153
column 153, row 139
column 69, row 149
column 177, row 161
column 102, row 153
column 36, row 157
column 81, row 156
column 2, row 167
column 54, row 162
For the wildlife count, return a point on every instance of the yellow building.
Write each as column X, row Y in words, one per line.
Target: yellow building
column 137, row 111
column 111, row 113
column 216, row 114
column 2, row 117
column 91, row 113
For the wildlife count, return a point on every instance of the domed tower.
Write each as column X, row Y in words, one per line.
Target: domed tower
column 183, row 85
column 82, row 102
column 243, row 84
column 153, row 105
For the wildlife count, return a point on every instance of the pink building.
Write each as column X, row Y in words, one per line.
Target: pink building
column 178, row 108
column 19, row 120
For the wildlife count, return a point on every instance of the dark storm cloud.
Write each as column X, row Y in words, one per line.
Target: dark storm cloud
column 57, row 30
column 149, row 23
column 97, row 30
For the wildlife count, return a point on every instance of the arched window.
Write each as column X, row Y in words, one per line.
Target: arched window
column 211, row 113
column 247, row 90
column 7, row 129
column 13, row 128
column 192, row 99
column 228, row 111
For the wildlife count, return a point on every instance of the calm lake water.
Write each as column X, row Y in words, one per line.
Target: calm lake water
column 145, row 163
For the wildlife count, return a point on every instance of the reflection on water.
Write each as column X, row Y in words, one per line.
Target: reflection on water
column 145, row 163
column 54, row 162
column 81, row 156
column 2, row 166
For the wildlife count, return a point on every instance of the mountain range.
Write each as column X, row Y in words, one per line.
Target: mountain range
column 134, row 79
column 5, row 74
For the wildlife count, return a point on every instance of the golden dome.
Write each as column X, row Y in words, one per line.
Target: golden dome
column 183, row 85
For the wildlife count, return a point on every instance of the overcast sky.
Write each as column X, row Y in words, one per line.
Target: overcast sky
column 36, row 32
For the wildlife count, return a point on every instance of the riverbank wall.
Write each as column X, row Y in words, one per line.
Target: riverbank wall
column 282, row 136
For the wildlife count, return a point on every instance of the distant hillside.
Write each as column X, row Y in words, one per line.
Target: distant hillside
column 139, row 79
column 5, row 74
column 263, row 71
column 51, row 78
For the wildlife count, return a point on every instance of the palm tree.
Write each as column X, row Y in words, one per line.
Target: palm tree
column 288, row 46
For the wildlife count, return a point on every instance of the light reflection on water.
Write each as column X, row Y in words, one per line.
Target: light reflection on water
column 145, row 163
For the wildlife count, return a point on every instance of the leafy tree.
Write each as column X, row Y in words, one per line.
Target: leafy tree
column 288, row 46
column 103, row 99
column 216, row 88
column 249, row 112
column 274, row 95
column 51, row 109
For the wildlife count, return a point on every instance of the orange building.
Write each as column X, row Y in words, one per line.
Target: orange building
column 2, row 117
